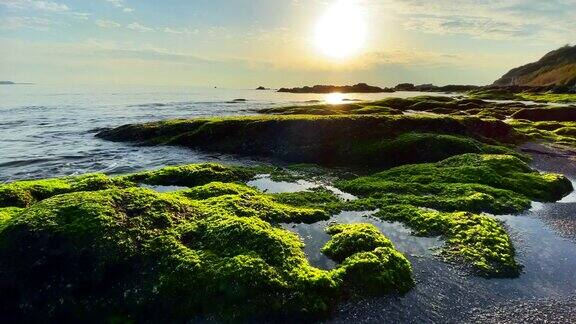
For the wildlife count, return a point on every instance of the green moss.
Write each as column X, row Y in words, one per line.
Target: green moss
column 493, row 94
column 7, row 214
column 192, row 175
column 217, row 189
column 561, row 114
column 548, row 97
column 369, row 262
column 314, row 198
column 412, row 148
column 350, row 239
column 476, row 240
column 265, row 208
column 471, row 182
column 138, row 255
column 326, row 140
column 505, row 94
column 550, row 131
column 25, row 193
column 429, row 104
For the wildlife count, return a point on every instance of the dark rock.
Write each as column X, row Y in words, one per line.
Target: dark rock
column 357, row 88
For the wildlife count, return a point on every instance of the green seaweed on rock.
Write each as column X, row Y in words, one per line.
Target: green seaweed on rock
column 369, row 262
column 349, row 239
column 477, row 240
column 137, row 255
column 346, row 140
column 25, row 193
column 470, row 182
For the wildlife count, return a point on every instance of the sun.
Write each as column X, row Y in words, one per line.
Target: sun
column 341, row 32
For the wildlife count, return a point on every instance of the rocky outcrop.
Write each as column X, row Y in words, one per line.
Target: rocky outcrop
column 557, row 68
column 357, row 88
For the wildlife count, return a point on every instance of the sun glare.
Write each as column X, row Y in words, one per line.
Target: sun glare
column 341, row 32
column 334, row 98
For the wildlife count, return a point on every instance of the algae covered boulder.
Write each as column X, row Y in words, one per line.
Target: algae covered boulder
column 209, row 252
column 350, row 239
column 566, row 114
column 478, row 242
column 347, row 140
column 470, row 182
column 25, row 193
column 442, row 199
column 369, row 262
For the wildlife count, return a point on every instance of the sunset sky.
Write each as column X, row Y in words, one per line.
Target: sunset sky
column 245, row 43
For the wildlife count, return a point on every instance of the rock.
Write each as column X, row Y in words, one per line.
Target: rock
column 357, row 88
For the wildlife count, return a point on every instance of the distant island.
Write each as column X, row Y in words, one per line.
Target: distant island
column 357, row 88
column 11, row 83
column 434, row 88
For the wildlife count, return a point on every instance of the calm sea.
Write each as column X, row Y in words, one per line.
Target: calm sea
column 48, row 131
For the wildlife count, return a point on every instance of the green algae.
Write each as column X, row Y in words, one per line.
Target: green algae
column 325, row 140
column 6, row 214
column 548, row 97
column 349, row 239
column 471, row 106
column 369, row 262
column 563, row 133
column 454, row 188
column 470, row 182
column 476, row 240
column 137, row 255
column 506, row 94
column 192, row 175
column 561, row 114
column 266, row 208
column 25, row 193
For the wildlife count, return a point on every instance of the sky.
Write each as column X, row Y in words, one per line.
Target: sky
column 248, row 43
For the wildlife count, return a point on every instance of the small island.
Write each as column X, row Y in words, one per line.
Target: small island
column 13, row 83
column 357, row 88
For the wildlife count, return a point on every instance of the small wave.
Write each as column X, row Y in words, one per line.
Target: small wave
column 24, row 162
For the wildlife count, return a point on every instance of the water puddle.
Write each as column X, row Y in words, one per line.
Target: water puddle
column 315, row 237
column 265, row 183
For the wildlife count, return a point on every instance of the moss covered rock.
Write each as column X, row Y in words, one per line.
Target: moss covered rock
column 370, row 263
column 478, row 241
column 132, row 254
column 350, row 239
column 470, row 182
column 359, row 140
column 25, row 193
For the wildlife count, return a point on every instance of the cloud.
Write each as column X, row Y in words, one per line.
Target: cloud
column 35, row 5
column 533, row 20
column 139, row 27
column 107, row 23
column 121, row 5
column 36, row 23
column 180, row 31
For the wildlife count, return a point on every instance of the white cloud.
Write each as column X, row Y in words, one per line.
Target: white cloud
column 121, row 5
column 35, row 5
column 534, row 20
column 180, row 31
column 107, row 23
column 41, row 24
column 139, row 27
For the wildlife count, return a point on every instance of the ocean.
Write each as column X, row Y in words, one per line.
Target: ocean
column 48, row 131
